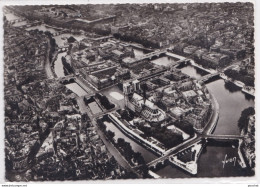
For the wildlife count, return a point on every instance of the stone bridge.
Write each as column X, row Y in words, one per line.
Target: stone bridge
column 17, row 20
column 207, row 77
column 186, row 147
column 67, row 79
column 63, row 48
column 151, row 56
column 60, row 32
column 77, row 79
column 178, row 150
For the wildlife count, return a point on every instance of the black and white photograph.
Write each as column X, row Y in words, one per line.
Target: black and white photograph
column 136, row 91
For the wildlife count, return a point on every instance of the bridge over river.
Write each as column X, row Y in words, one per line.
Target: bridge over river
column 150, row 56
column 85, row 85
column 194, row 148
column 208, row 76
column 17, row 20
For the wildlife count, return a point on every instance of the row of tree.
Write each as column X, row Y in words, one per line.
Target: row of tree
column 236, row 75
column 185, row 126
column 124, row 147
column 168, row 138
column 243, row 120
column 104, row 101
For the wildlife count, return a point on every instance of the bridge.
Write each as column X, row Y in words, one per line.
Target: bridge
column 153, row 74
column 181, row 62
column 150, row 56
column 17, row 20
column 57, row 33
column 79, row 80
column 176, row 150
column 193, row 148
column 203, row 138
column 207, row 77
column 138, row 46
column 30, row 24
column 66, row 79
column 187, row 147
column 88, row 22
column 63, row 48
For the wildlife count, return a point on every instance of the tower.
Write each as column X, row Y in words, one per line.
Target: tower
column 126, row 91
column 136, row 84
column 126, row 88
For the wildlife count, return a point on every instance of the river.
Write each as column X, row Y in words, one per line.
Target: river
column 42, row 28
column 10, row 16
column 165, row 61
column 231, row 104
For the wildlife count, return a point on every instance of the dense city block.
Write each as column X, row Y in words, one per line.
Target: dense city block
column 128, row 91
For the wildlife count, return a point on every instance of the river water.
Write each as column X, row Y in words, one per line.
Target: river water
column 42, row 28
column 10, row 16
column 231, row 104
column 76, row 89
column 164, row 61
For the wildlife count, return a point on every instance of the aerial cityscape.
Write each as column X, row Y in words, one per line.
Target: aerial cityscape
column 129, row 91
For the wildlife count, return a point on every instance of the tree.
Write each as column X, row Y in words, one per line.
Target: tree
column 120, row 142
column 110, row 134
column 71, row 39
column 138, row 158
column 248, row 80
column 105, row 102
column 243, row 120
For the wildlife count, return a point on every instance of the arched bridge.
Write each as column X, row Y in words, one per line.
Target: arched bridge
column 168, row 155
column 172, row 155
column 17, row 20
column 207, row 77
column 150, row 56
column 67, row 79
column 63, row 48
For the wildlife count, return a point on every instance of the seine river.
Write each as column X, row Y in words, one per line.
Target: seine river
column 231, row 104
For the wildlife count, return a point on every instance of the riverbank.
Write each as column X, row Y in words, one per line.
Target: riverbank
column 209, row 128
column 246, row 89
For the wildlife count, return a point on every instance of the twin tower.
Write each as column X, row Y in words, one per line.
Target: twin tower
column 130, row 87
